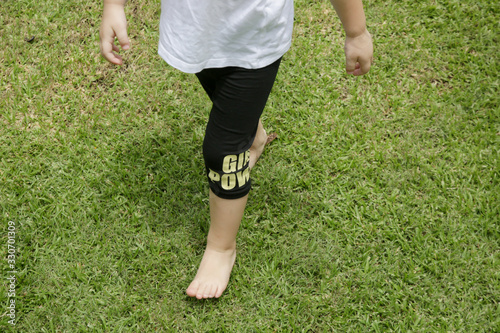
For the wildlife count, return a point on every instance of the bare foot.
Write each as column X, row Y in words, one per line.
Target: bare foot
column 213, row 274
column 259, row 143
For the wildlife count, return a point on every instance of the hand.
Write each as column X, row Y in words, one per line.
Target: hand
column 358, row 53
column 114, row 24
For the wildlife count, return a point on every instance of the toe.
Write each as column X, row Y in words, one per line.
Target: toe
column 202, row 292
column 218, row 292
column 192, row 290
column 213, row 291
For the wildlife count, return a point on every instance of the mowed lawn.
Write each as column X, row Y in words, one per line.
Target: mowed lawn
column 375, row 210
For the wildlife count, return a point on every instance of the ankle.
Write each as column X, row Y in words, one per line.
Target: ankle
column 260, row 137
column 221, row 248
column 259, row 142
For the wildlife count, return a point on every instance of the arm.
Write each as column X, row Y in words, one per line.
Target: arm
column 114, row 24
column 358, row 43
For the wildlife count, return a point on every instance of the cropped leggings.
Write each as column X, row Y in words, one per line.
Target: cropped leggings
column 239, row 96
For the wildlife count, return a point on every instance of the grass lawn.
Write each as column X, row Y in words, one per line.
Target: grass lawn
column 376, row 209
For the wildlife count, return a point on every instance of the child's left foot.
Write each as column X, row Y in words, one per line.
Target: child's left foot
column 213, row 274
column 259, row 143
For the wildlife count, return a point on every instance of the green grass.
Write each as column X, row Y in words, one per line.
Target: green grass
column 375, row 210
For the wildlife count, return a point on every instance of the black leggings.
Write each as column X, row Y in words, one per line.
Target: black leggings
column 239, row 96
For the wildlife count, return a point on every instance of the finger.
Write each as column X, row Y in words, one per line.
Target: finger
column 364, row 66
column 109, row 55
column 357, row 70
column 115, row 47
column 107, row 47
column 350, row 64
column 122, row 36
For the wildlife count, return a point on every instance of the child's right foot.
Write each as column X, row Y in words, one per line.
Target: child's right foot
column 213, row 274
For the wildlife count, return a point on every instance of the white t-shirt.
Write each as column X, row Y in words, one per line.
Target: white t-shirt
column 198, row 34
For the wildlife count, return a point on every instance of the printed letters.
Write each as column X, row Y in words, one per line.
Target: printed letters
column 235, row 171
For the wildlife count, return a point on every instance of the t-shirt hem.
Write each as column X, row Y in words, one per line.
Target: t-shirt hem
column 219, row 63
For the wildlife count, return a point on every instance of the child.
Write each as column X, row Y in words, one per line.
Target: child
column 235, row 48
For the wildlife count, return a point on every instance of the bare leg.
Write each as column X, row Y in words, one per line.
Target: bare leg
column 218, row 260
column 220, row 254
